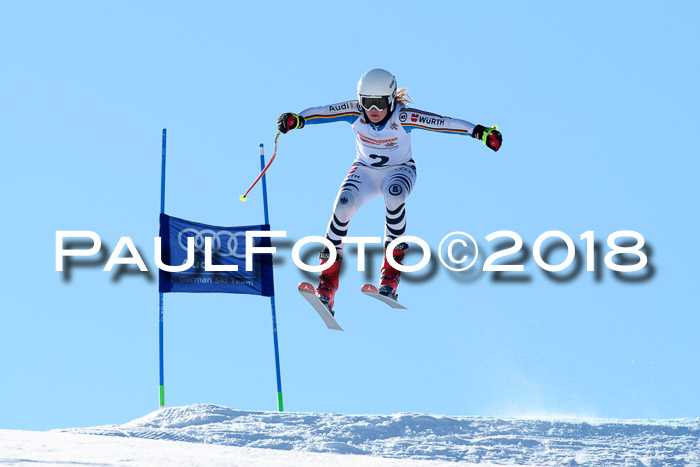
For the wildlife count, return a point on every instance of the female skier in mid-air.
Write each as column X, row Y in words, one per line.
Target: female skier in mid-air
column 383, row 165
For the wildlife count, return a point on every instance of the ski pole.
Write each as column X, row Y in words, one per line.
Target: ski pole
column 243, row 197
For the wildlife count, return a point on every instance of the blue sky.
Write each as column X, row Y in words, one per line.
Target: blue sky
column 597, row 104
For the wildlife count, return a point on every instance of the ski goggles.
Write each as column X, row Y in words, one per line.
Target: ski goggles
column 379, row 103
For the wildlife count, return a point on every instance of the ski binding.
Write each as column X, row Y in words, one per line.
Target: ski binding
column 369, row 289
column 308, row 291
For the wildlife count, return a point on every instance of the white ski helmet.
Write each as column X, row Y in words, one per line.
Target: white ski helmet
column 375, row 88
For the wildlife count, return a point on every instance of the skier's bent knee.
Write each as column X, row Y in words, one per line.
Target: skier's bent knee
column 345, row 206
column 395, row 195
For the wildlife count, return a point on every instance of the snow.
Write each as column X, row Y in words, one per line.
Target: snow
column 206, row 434
column 55, row 448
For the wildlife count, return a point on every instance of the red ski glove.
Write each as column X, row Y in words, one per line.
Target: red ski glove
column 490, row 136
column 289, row 121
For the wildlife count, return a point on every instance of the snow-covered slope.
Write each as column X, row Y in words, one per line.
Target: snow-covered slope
column 424, row 437
column 31, row 448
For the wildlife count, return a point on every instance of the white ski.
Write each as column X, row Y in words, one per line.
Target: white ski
column 369, row 289
column 309, row 293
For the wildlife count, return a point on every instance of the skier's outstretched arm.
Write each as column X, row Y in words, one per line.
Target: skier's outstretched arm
column 347, row 111
column 413, row 118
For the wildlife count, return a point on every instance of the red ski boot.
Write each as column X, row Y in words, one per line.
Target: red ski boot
column 390, row 277
column 328, row 285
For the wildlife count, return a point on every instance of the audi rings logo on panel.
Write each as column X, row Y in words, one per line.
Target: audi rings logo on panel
column 224, row 243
